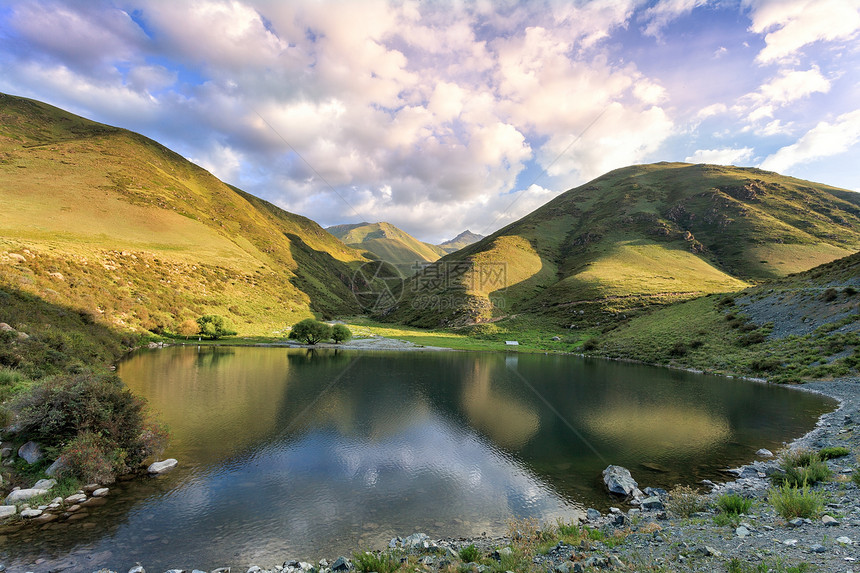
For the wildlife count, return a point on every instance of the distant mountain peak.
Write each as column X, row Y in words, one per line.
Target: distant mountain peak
column 462, row 240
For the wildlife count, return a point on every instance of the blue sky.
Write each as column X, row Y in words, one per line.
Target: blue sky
column 438, row 116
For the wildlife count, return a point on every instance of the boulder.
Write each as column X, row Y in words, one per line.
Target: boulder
column 31, row 513
column 619, row 481
column 341, row 564
column 162, row 467
column 75, row 498
column 30, row 452
column 764, row 453
column 7, row 511
column 652, row 502
column 592, row 514
column 45, row 484
column 56, row 467
column 20, row 495
column 101, row 492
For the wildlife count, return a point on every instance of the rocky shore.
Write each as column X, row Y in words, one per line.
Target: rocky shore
column 648, row 535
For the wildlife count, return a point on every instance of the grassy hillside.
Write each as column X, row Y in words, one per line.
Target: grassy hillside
column 461, row 241
column 789, row 329
column 638, row 236
column 389, row 244
column 114, row 225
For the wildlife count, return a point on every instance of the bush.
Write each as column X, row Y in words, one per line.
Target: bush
column 380, row 563
column 311, row 331
column 63, row 412
column 85, row 459
column 830, row 295
column 802, row 467
column 340, row 333
column 470, row 554
column 684, row 501
column 188, row 328
column 833, row 452
column 590, row 345
column 791, row 502
column 214, row 326
column 733, row 504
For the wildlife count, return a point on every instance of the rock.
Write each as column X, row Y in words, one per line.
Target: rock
column 137, row 569
column 615, row 562
column 7, row 511
column 31, row 513
column 6, row 328
column 75, row 498
column 709, row 551
column 101, row 492
column 56, row 467
column 563, row 568
column 414, row 541
column 764, row 453
column 343, row 564
column 19, row 495
column 592, row 514
column 619, row 481
column 652, row 491
column 5, row 451
column 843, row 540
column 742, row 532
column 503, row 552
column 796, row 522
column 162, row 467
column 30, row 452
column 830, row 521
column 556, row 338
column 818, row 548
column 651, row 503
column 90, row 488
column 45, row 484
column 790, row 542
column 221, row 570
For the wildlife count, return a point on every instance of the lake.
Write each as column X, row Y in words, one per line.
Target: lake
column 290, row 453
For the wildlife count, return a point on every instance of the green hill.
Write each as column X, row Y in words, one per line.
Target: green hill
column 638, row 236
column 461, row 241
column 389, row 244
column 804, row 326
column 114, row 225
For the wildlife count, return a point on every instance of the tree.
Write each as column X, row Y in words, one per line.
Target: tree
column 310, row 331
column 215, row 326
column 188, row 327
column 340, row 333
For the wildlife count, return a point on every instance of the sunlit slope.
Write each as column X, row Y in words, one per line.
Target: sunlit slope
column 116, row 225
column 642, row 235
column 389, row 244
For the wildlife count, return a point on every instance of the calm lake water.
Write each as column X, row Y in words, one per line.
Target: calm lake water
column 289, row 453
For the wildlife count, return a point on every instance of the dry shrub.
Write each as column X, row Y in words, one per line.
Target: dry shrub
column 684, row 501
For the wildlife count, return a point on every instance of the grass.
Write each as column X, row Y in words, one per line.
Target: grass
column 380, row 562
column 802, row 467
column 791, row 502
column 831, row 452
column 470, row 554
column 735, row 565
column 684, row 501
column 733, row 504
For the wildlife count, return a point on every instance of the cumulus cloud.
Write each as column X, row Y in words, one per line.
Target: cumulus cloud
column 789, row 25
column 824, row 140
column 725, row 156
column 660, row 14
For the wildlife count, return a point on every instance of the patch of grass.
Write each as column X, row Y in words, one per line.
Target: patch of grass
column 470, row 554
column 791, row 502
column 831, row 452
column 802, row 467
column 380, row 562
column 684, row 501
column 733, row 504
column 735, row 565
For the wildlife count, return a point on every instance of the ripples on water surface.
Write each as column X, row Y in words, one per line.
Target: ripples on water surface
column 291, row 453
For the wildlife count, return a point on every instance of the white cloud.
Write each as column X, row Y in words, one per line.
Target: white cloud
column 725, row 156
column 658, row 16
column 712, row 110
column 789, row 25
column 824, row 140
column 792, row 85
column 221, row 161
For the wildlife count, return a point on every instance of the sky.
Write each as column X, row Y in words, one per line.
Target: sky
column 438, row 116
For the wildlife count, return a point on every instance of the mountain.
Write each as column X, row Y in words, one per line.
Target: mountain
column 634, row 237
column 388, row 243
column 121, row 229
column 462, row 240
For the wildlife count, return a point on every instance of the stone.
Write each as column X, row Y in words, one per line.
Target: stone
column 343, row 564
column 651, row 503
column 619, row 481
column 252, row 568
column 137, row 569
column 829, row 521
column 45, row 484
column 157, row 468
column 652, row 491
column 31, row 513
column 615, row 562
column 742, row 531
column 5, row 451
column 75, row 498
column 843, row 540
column 221, row 570
column 764, row 453
column 796, row 522
column 709, row 551
column 56, row 467
column 90, row 488
column 7, row 511
column 818, row 548
column 30, row 452
column 790, row 542
column 503, row 552
column 414, row 541
column 563, row 568
column 101, row 492
column 592, row 514
column 19, row 495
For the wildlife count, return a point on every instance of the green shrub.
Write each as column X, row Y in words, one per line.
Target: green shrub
column 368, row 561
column 590, row 345
column 855, row 477
column 310, row 331
column 791, row 502
column 798, row 458
column 802, row 467
column 215, row 326
column 733, row 504
column 830, row 295
column 470, row 554
column 85, row 459
column 833, row 452
column 684, row 501
column 340, row 333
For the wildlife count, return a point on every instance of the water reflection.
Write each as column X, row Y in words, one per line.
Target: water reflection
column 290, row 453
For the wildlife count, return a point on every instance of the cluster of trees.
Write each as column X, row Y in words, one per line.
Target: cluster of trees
column 311, row 331
column 212, row 326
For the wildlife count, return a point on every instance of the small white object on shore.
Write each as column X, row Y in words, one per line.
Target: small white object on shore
column 162, row 467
